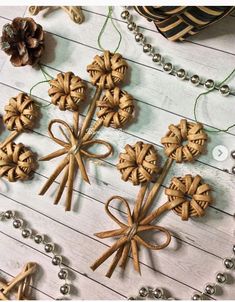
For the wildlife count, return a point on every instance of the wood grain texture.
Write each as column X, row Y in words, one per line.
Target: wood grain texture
column 189, row 262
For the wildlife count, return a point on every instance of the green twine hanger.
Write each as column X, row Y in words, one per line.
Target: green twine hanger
column 109, row 16
column 207, row 92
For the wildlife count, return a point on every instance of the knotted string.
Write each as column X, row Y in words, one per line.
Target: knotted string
column 207, row 92
column 109, row 16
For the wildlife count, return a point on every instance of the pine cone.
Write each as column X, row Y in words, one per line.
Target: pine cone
column 23, row 40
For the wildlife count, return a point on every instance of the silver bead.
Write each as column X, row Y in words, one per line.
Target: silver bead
column 224, row 90
column 63, row 274
column 17, row 223
column 234, row 249
column 209, row 84
column 233, row 170
column 8, row 214
column 26, row 233
column 64, row 289
column 56, row 260
column 233, row 154
column 143, row 292
column 210, row 289
column 228, row 263
column 147, row 48
column 49, row 247
column 195, row 80
column 158, row 293
column 221, row 278
column 157, row 58
column 196, row 296
column 168, row 67
column 131, row 26
column 125, row 15
column 38, row 239
column 181, row 74
column 139, row 37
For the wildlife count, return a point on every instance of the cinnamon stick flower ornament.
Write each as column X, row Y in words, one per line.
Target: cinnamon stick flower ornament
column 115, row 110
column 23, row 40
column 187, row 196
column 16, row 161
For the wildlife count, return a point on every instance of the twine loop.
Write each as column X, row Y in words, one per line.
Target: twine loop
column 188, row 196
column 189, row 132
column 139, row 163
column 115, row 108
column 107, row 70
column 16, row 162
column 23, row 282
column 21, row 113
column 67, row 91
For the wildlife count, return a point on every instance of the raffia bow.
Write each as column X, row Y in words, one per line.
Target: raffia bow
column 130, row 235
column 20, row 284
column 74, row 148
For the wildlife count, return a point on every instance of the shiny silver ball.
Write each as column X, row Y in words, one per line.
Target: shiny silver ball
column 196, row 296
column 143, row 292
column 234, row 249
column 209, row 84
column 131, row 26
column 139, row 37
column 224, row 90
column 158, row 293
column 26, row 233
column 228, row 263
column 38, row 239
column 147, row 48
column 8, row 214
column 233, row 170
column 64, row 289
column 195, row 80
column 125, row 15
column 181, row 74
column 63, row 274
column 17, row 223
column 210, row 289
column 233, row 154
column 49, row 247
column 168, row 67
column 56, row 260
column 221, row 278
column 157, row 58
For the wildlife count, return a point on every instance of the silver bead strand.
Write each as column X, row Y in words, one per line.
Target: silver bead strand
column 157, row 58
column 49, row 247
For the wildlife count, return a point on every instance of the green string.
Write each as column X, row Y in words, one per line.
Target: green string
column 207, row 92
column 109, row 16
column 45, row 74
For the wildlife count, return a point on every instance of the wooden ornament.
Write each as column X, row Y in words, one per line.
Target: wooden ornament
column 138, row 164
column 74, row 12
column 20, row 286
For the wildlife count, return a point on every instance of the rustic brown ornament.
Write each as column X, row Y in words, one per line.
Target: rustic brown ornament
column 23, row 40
column 139, row 163
column 21, row 114
column 74, row 12
column 67, row 91
column 139, row 220
column 20, row 286
column 16, row 162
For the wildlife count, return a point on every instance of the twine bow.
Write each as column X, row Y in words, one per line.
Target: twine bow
column 130, row 233
column 74, row 148
column 22, row 281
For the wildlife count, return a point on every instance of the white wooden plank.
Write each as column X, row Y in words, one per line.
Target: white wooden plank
column 11, row 12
